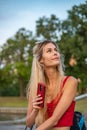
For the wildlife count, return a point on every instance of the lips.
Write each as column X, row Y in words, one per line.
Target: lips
column 56, row 58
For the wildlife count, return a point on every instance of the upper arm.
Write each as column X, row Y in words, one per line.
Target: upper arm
column 70, row 88
column 67, row 97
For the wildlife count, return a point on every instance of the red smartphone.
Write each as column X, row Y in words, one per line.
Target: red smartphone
column 41, row 91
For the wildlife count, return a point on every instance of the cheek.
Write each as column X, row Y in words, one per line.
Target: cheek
column 46, row 61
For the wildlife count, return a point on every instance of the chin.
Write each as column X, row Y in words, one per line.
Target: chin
column 55, row 65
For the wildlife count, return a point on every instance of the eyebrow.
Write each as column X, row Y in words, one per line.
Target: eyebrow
column 51, row 48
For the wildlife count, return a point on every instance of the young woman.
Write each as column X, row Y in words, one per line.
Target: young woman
column 58, row 110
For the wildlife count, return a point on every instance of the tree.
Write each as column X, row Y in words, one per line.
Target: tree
column 16, row 54
column 48, row 28
column 71, row 36
column 74, row 42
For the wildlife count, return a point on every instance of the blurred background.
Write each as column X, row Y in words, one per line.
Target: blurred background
column 24, row 22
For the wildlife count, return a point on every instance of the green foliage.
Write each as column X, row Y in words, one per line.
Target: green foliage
column 15, row 60
column 74, row 42
column 48, row 28
column 71, row 36
column 9, row 90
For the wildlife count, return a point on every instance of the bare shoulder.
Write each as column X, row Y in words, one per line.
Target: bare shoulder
column 72, row 81
column 70, row 87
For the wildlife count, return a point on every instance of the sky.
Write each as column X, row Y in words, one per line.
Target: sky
column 15, row 14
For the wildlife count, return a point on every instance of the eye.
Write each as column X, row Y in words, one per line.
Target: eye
column 49, row 50
column 56, row 49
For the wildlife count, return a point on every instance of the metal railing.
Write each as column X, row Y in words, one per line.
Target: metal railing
column 81, row 97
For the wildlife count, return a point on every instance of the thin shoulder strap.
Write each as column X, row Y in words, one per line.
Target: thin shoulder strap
column 61, row 91
column 65, row 80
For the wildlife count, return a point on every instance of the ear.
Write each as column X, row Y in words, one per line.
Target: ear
column 41, row 61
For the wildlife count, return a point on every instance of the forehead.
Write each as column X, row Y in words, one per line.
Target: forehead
column 49, row 45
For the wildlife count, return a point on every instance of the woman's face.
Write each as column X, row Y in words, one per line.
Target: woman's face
column 50, row 56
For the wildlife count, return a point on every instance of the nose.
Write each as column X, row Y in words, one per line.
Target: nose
column 55, row 53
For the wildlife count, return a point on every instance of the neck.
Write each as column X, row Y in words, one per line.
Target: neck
column 51, row 75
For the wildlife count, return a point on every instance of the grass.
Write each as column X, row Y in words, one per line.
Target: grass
column 13, row 102
column 81, row 105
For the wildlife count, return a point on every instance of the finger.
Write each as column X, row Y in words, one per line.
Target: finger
column 37, row 103
column 37, row 99
column 36, row 106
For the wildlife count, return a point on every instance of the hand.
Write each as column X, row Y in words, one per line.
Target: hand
column 36, row 102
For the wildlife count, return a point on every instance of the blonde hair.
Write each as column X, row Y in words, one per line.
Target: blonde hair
column 38, row 75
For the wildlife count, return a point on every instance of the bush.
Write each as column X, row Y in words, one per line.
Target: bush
column 9, row 91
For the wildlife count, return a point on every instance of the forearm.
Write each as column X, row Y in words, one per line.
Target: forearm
column 30, row 119
column 48, row 124
column 33, row 110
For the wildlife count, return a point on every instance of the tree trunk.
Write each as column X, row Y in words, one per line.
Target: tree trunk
column 22, row 87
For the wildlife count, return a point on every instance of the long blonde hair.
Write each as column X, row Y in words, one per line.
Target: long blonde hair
column 38, row 75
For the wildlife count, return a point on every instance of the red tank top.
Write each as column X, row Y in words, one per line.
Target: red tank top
column 67, row 118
